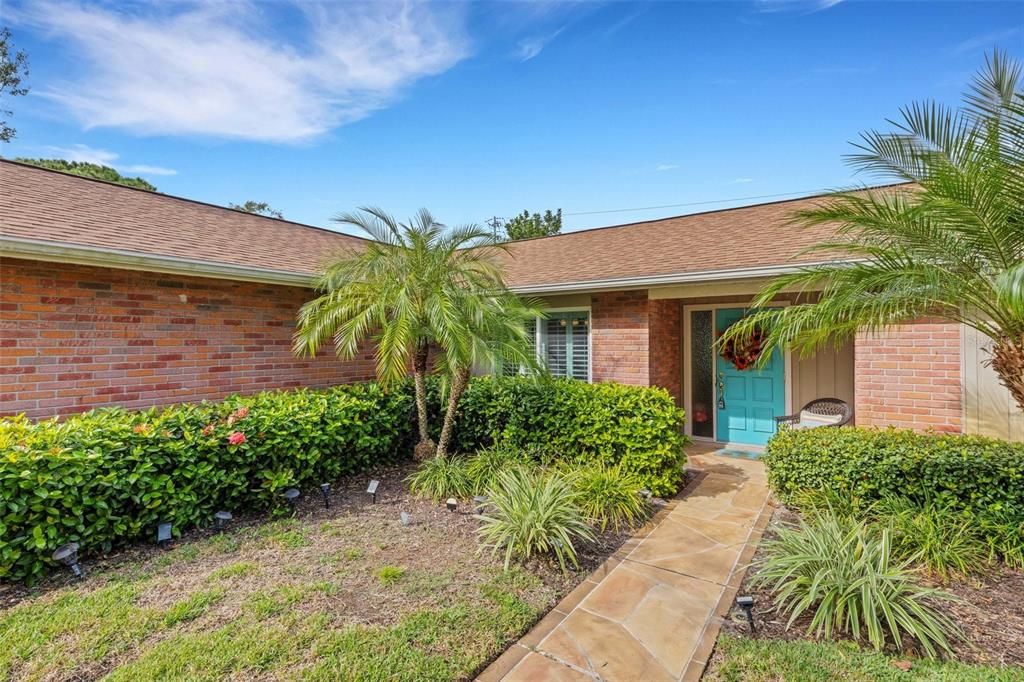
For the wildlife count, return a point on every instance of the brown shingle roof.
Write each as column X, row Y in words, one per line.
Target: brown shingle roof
column 50, row 206
column 728, row 239
column 53, row 207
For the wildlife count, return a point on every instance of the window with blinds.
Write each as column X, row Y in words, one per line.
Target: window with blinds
column 565, row 344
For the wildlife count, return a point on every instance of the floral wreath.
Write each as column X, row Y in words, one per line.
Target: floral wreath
column 743, row 353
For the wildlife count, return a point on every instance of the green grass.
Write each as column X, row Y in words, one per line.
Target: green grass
column 389, row 575
column 252, row 605
column 747, row 660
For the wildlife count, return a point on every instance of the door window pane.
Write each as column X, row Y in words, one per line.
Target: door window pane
column 702, row 391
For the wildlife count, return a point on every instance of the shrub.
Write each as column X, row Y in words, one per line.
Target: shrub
column 107, row 477
column 1003, row 533
column 438, row 478
column 608, row 496
column 965, row 473
column 532, row 512
column 389, row 575
column 482, row 467
column 843, row 573
column 637, row 427
column 943, row 540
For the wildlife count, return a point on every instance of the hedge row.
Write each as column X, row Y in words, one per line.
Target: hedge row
column 970, row 473
column 106, row 478
column 637, row 427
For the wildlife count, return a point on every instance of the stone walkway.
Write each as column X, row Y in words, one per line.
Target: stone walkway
column 652, row 611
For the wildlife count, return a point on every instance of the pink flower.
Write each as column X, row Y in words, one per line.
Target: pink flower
column 236, row 438
column 141, row 428
column 208, row 430
column 231, row 419
column 242, row 412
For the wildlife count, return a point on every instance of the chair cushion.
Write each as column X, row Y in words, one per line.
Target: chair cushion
column 810, row 420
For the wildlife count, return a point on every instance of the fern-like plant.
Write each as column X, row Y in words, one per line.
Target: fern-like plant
column 843, row 573
column 945, row 540
column 487, row 463
column 533, row 512
column 608, row 496
column 441, row 477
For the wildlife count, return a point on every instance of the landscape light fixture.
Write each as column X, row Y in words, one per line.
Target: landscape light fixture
column 291, row 496
column 163, row 534
column 221, row 520
column 479, row 503
column 747, row 604
column 325, row 490
column 68, row 555
column 452, row 504
column 645, row 493
column 406, row 519
column 372, row 489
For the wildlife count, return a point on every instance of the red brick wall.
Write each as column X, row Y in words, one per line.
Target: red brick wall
column 910, row 377
column 666, row 343
column 636, row 340
column 76, row 337
column 619, row 326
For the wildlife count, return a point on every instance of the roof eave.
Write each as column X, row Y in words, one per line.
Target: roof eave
column 63, row 252
column 621, row 283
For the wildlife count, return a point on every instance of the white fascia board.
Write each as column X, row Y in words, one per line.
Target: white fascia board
column 61, row 252
column 662, row 280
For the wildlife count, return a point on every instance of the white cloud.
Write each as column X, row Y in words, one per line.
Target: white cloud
column 528, row 48
column 104, row 157
column 987, row 40
column 806, row 6
column 741, row 181
column 666, row 167
column 220, row 69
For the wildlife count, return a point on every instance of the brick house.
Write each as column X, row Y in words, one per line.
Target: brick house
column 115, row 296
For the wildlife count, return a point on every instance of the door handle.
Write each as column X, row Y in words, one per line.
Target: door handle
column 721, row 391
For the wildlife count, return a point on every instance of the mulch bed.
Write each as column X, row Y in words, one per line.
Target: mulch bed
column 991, row 613
column 444, row 538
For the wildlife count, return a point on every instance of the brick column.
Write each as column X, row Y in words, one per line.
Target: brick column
column 666, row 346
column 909, row 376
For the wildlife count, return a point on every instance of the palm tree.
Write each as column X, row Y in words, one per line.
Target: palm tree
column 415, row 289
column 950, row 245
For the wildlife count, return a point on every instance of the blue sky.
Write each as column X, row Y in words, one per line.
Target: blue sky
column 475, row 110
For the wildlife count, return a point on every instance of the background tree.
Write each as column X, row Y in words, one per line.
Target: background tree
column 527, row 225
column 90, row 170
column 949, row 246
column 259, row 208
column 13, row 69
column 417, row 288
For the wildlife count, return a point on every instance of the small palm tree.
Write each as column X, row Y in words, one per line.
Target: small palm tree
column 414, row 289
column 950, row 245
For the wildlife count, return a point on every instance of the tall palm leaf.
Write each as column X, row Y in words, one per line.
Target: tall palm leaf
column 414, row 289
column 949, row 244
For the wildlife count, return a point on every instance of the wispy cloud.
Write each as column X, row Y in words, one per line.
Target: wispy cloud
column 986, row 40
column 528, row 48
column 104, row 157
column 741, row 181
column 219, row 69
column 805, row 6
column 661, row 167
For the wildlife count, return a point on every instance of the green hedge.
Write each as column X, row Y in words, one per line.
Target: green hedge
column 606, row 423
column 969, row 473
column 107, row 477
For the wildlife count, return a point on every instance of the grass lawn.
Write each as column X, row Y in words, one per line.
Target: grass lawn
column 739, row 659
column 342, row 594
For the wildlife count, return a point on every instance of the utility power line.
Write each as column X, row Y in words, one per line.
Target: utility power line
column 700, row 203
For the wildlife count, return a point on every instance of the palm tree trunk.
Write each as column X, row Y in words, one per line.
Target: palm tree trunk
column 459, row 382
column 1008, row 362
column 425, row 446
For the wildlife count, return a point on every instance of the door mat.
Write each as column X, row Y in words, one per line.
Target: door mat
column 739, row 454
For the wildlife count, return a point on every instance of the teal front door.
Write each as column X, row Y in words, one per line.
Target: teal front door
column 748, row 399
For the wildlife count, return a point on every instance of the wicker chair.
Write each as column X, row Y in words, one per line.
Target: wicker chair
column 824, row 407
